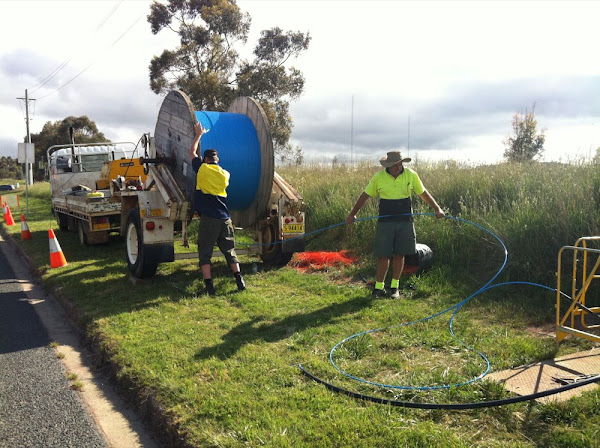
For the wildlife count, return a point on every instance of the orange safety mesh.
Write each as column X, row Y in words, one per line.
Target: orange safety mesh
column 322, row 260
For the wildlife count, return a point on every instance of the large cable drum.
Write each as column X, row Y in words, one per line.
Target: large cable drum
column 241, row 136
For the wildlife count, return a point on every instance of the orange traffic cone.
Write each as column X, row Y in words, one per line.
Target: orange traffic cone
column 57, row 258
column 9, row 219
column 4, row 212
column 25, row 233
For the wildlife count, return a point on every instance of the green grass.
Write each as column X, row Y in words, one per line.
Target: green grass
column 224, row 369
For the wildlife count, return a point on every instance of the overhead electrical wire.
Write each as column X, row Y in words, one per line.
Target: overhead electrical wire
column 90, row 65
column 54, row 72
column 45, row 80
column 85, row 69
column 111, row 12
column 67, row 83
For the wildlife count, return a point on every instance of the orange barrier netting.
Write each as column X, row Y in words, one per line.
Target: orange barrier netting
column 321, row 260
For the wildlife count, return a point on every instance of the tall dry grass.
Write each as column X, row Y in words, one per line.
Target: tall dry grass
column 534, row 208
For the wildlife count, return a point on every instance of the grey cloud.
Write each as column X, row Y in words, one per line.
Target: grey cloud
column 8, row 147
column 28, row 66
column 466, row 111
column 126, row 105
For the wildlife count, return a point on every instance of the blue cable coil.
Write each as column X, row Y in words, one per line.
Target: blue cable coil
column 456, row 307
column 234, row 137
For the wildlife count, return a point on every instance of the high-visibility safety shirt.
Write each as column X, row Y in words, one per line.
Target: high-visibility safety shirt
column 210, row 198
column 212, row 179
column 395, row 193
column 384, row 185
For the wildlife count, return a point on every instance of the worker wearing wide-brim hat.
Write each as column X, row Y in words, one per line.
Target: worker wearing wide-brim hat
column 395, row 235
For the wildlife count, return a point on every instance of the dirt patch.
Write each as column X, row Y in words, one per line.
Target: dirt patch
column 546, row 330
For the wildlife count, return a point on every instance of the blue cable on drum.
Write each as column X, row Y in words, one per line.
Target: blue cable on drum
column 234, row 137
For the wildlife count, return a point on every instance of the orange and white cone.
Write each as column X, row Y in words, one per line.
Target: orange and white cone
column 9, row 219
column 57, row 258
column 25, row 233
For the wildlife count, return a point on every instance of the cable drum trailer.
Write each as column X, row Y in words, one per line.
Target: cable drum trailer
column 258, row 198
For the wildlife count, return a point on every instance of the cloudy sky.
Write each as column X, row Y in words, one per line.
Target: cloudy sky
column 440, row 80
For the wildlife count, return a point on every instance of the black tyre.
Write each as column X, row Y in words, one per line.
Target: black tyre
column 137, row 263
column 272, row 250
column 62, row 220
column 90, row 238
column 81, row 233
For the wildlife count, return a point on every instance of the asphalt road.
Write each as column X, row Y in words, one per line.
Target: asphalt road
column 37, row 406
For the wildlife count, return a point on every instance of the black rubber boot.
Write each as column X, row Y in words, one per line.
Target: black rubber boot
column 378, row 293
column 210, row 288
column 239, row 280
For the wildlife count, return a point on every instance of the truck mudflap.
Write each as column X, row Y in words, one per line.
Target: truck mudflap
column 292, row 245
column 159, row 252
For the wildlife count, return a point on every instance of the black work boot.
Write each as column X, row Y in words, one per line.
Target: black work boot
column 239, row 280
column 210, row 288
column 378, row 293
column 394, row 293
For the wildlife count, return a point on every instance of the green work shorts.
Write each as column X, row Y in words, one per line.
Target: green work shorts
column 213, row 231
column 394, row 238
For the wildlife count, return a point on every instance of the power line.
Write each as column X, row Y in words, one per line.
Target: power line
column 128, row 29
column 45, row 80
column 112, row 11
column 85, row 69
column 68, row 82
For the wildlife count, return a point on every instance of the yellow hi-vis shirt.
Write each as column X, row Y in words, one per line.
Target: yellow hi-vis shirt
column 212, row 179
column 384, row 185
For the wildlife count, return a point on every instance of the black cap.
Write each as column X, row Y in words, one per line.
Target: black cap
column 211, row 153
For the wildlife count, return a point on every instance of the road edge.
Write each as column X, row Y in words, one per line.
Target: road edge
column 122, row 412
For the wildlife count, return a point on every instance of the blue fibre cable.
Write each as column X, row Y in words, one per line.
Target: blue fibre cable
column 456, row 307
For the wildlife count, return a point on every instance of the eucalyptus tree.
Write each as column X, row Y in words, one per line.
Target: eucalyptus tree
column 57, row 133
column 208, row 66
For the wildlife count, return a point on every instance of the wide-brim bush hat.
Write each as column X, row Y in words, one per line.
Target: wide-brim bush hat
column 392, row 158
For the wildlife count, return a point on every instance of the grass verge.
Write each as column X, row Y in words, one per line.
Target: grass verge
column 224, row 370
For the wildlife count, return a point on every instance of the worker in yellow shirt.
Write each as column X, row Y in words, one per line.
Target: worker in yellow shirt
column 210, row 202
column 395, row 235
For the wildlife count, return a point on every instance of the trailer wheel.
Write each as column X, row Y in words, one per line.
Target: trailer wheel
column 137, row 264
column 272, row 253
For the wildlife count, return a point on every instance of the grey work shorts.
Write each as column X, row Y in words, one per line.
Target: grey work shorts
column 394, row 238
column 213, row 231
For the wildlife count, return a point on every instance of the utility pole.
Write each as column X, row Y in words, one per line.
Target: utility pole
column 28, row 173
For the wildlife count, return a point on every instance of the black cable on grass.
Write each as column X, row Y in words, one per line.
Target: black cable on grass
column 449, row 406
column 456, row 308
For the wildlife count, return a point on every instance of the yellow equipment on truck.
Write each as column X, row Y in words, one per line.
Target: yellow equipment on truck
column 79, row 180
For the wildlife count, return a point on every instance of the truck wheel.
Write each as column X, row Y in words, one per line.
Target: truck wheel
column 62, row 220
column 81, row 233
column 272, row 254
column 134, row 241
